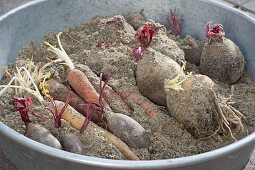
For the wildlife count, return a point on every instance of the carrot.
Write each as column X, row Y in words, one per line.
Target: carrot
column 76, row 120
column 111, row 97
column 79, row 81
column 136, row 97
column 59, row 92
column 76, row 78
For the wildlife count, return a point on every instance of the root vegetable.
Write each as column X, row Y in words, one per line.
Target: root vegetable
column 151, row 73
column 76, row 78
column 222, row 59
column 76, row 120
column 72, row 143
column 121, row 125
column 136, row 97
column 131, row 132
column 201, row 110
column 59, row 92
column 111, row 97
column 40, row 134
column 82, row 86
column 79, row 81
column 168, row 47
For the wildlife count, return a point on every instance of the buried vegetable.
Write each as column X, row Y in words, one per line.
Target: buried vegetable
column 151, row 73
column 221, row 58
column 170, row 135
column 130, row 132
column 72, row 143
column 76, row 120
column 36, row 132
column 58, row 91
column 194, row 101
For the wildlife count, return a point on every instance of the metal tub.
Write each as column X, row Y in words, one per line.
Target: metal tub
column 35, row 19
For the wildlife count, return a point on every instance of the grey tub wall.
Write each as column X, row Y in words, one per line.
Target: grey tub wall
column 36, row 156
column 32, row 22
column 35, row 21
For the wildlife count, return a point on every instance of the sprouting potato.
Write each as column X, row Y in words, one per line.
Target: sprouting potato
column 193, row 106
column 221, row 58
column 40, row 134
column 200, row 108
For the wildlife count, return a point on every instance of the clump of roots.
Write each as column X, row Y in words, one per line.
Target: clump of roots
column 28, row 78
column 229, row 118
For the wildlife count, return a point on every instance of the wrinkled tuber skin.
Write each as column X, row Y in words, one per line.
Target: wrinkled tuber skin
column 72, row 143
column 40, row 134
column 223, row 61
column 194, row 106
column 151, row 73
column 129, row 130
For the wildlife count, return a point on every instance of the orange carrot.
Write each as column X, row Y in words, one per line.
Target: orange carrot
column 137, row 98
column 111, row 97
column 59, row 92
column 80, row 83
column 76, row 120
column 78, row 80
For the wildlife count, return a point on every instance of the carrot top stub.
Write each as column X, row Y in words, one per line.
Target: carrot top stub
column 82, row 86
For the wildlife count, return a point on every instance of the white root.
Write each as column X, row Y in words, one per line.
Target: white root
column 26, row 80
column 228, row 115
column 61, row 53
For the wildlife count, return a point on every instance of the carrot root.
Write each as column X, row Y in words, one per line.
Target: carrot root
column 78, row 80
column 76, row 120
column 59, row 92
column 111, row 97
column 137, row 98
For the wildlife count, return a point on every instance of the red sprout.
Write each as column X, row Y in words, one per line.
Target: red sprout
column 100, row 45
column 90, row 110
column 216, row 33
column 175, row 22
column 58, row 114
column 144, row 35
column 92, row 107
column 23, row 106
column 138, row 53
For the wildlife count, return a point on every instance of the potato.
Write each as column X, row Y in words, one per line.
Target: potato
column 40, row 134
column 129, row 130
column 152, row 70
column 72, row 143
column 223, row 61
column 194, row 106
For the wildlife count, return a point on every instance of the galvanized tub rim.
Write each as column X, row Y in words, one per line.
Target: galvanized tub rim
column 101, row 162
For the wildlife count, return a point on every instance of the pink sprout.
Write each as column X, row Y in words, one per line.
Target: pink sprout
column 175, row 23
column 214, row 34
